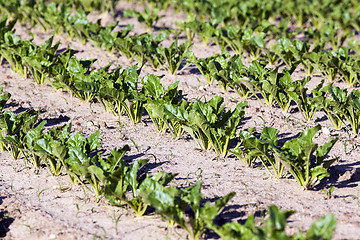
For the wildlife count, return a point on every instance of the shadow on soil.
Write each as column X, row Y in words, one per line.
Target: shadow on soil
column 21, row 109
column 50, row 121
column 194, row 70
column 152, row 164
column 11, row 103
column 233, row 213
column 342, row 176
column 131, row 158
column 321, row 119
column 5, row 221
column 56, row 121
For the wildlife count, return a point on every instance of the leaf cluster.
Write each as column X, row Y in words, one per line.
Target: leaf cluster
column 172, row 204
column 301, row 157
column 211, row 126
column 340, row 106
column 275, row 228
column 147, row 17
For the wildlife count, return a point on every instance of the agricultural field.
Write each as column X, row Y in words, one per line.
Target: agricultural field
column 177, row 119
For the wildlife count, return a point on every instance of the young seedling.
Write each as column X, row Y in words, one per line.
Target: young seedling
column 329, row 192
column 116, row 220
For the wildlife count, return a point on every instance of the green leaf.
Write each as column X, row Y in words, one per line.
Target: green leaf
column 59, row 150
column 305, row 139
column 34, row 134
column 3, row 99
column 323, row 151
column 153, row 87
column 322, row 228
column 77, row 156
column 270, row 135
column 93, row 141
column 278, row 219
column 42, row 146
column 318, row 173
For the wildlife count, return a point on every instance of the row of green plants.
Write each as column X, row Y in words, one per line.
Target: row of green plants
column 145, row 47
column 337, row 63
column 276, row 87
column 26, row 10
column 24, row 136
column 254, row 39
column 200, row 132
column 248, row 38
column 58, row 16
column 251, row 37
column 254, row 13
column 341, row 63
column 300, row 157
column 60, row 150
column 90, row 5
column 208, row 122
